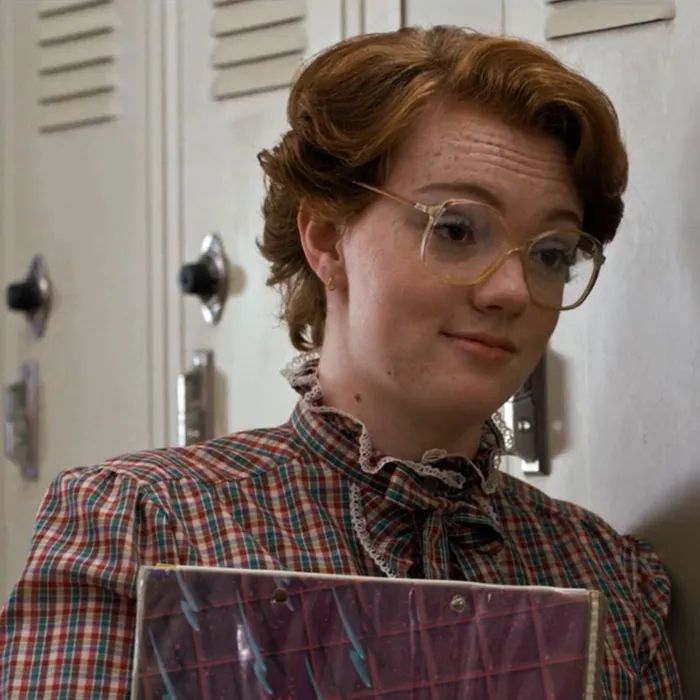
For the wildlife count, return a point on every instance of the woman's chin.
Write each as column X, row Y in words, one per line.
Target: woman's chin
column 474, row 400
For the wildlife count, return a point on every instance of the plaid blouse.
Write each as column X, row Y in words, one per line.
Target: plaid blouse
column 310, row 495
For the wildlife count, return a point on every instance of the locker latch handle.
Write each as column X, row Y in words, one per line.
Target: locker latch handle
column 207, row 278
column 32, row 296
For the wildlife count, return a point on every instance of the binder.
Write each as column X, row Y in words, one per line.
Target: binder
column 230, row 633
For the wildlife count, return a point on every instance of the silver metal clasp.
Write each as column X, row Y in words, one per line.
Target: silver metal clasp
column 195, row 400
column 529, row 422
column 21, row 421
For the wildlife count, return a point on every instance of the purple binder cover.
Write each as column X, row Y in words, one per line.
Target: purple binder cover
column 225, row 633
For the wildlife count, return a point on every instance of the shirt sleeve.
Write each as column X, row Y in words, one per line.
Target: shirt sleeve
column 658, row 672
column 67, row 628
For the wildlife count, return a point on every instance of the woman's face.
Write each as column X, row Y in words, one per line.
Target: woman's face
column 405, row 328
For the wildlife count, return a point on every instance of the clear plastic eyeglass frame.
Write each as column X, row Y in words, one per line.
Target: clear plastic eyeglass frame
column 433, row 212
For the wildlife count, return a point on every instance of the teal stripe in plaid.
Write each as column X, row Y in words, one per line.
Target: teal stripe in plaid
column 281, row 498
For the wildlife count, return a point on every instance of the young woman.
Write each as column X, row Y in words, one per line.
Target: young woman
column 439, row 199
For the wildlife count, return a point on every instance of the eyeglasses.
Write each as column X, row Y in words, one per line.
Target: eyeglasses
column 465, row 242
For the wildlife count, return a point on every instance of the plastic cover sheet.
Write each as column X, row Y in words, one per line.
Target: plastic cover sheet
column 224, row 633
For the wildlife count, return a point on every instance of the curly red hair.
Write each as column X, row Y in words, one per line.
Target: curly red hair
column 351, row 105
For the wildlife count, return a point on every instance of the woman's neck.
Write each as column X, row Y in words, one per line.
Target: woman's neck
column 397, row 429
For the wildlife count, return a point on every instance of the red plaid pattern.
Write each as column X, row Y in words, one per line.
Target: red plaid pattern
column 294, row 497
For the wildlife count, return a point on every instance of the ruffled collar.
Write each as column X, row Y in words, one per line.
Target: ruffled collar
column 421, row 519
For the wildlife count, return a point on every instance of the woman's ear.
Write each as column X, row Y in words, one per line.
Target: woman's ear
column 319, row 239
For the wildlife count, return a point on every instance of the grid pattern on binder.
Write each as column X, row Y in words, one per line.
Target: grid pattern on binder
column 222, row 635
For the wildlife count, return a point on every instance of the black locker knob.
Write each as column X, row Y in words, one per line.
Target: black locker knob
column 24, row 296
column 199, row 279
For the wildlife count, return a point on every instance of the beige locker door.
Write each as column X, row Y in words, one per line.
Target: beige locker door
column 81, row 187
column 221, row 183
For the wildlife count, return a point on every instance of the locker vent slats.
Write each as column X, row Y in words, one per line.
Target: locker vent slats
column 78, row 46
column 259, row 45
column 570, row 17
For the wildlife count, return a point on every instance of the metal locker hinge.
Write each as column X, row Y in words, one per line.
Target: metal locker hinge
column 195, row 400
column 20, row 421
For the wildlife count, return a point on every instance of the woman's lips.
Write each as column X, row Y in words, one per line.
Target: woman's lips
column 491, row 350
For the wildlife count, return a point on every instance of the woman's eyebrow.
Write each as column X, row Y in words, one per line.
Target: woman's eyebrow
column 484, row 194
column 470, row 189
column 556, row 215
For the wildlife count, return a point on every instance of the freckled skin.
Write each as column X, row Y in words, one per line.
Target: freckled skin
column 384, row 330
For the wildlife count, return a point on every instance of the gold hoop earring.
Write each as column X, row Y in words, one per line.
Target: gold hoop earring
column 331, row 284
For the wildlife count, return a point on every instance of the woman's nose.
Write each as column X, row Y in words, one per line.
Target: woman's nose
column 504, row 288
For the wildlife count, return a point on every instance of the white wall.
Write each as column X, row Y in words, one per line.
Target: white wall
column 630, row 357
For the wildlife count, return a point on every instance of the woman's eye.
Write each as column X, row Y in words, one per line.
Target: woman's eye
column 555, row 258
column 456, row 230
column 552, row 258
